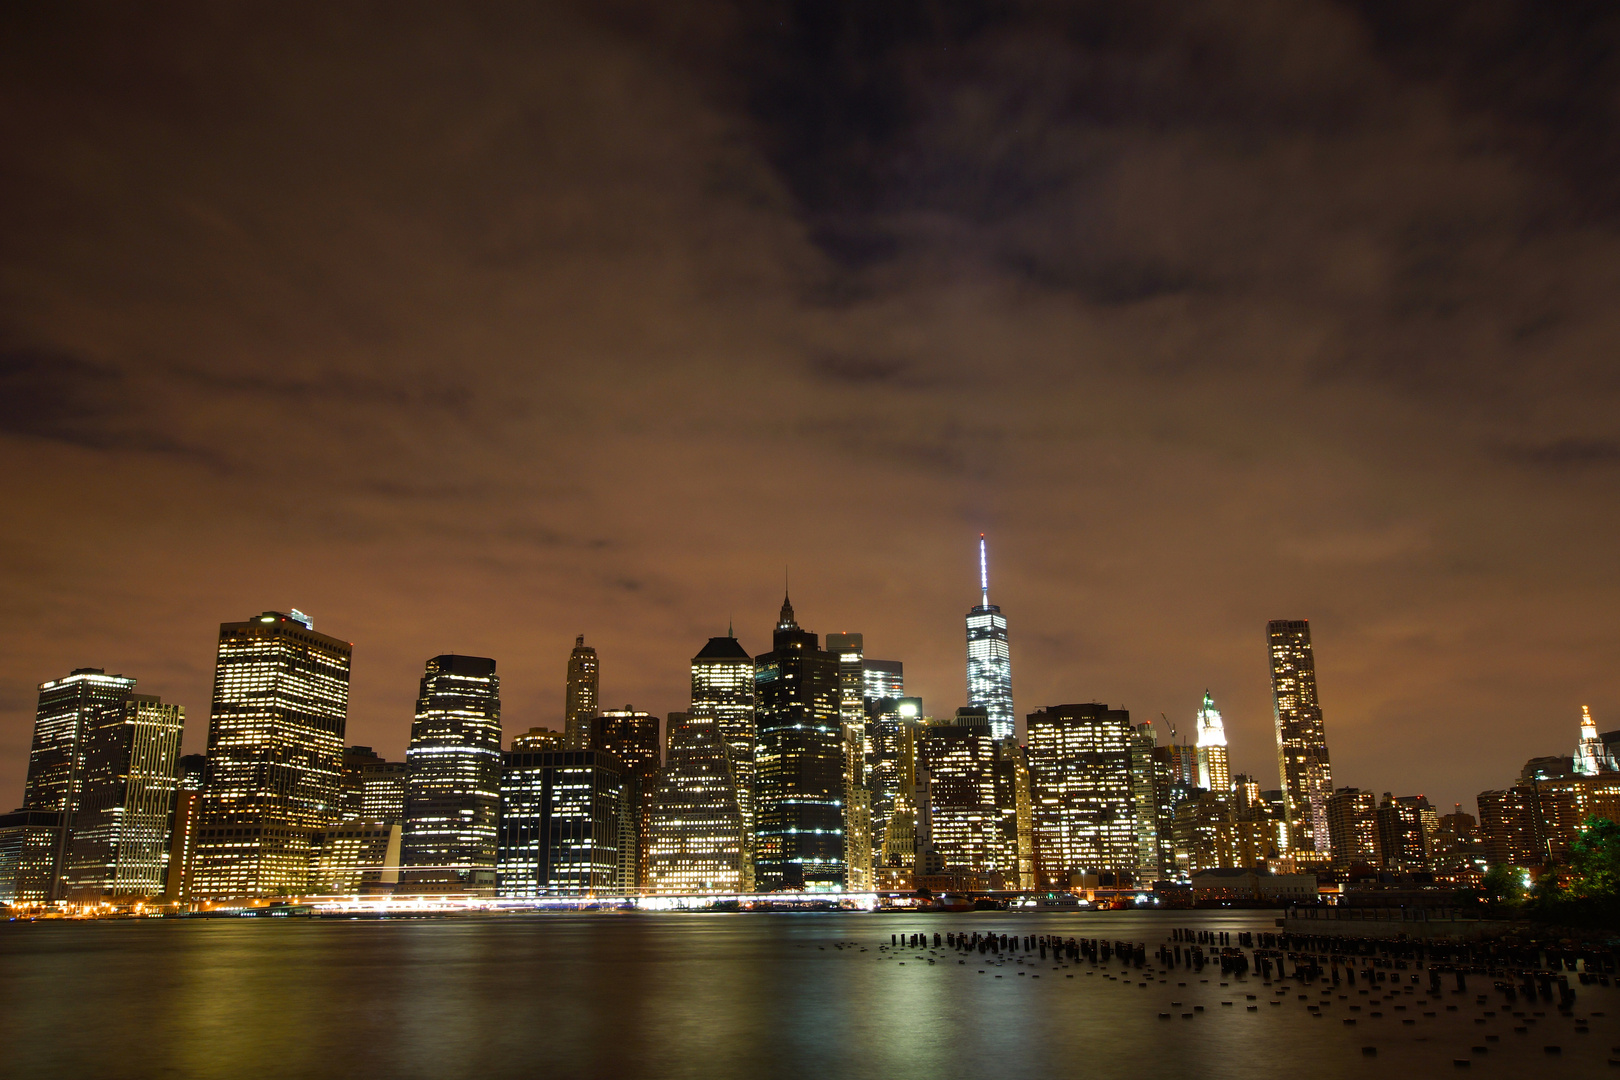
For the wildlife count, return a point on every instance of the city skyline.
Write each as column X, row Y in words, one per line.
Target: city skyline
column 1245, row 754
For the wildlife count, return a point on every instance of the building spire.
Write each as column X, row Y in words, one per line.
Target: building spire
column 785, row 620
column 984, row 575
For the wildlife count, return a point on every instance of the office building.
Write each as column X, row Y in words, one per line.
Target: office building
column 560, row 825
column 849, row 649
column 582, row 700
column 799, row 778
column 540, row 740
column 695, row 837
column 275, row 756
column 120, row 839
column 966, row 824
column 723, row 693
column 1082, row 799
column 68, row 709
column 1212, row 833
column 892, row 725
column 355, row 857
column 632, row 737
column 989, row 657
column 453, row 778
column 1406, row 828
column 1352, row 816
column 882, row 679
column 1214, row 771
column 1155, row 809
column 1302, row 753
column 30, row 849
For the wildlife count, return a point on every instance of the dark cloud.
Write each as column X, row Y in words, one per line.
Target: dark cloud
column 475, row 328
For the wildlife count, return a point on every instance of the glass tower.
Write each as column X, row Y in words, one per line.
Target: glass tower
column 1302, row 753
column 989, row 659
column 275, row 756
column 453, row 778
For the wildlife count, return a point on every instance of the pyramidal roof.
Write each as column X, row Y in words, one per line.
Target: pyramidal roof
column 723, row 648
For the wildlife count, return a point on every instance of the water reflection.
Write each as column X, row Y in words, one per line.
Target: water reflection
column 711, row 996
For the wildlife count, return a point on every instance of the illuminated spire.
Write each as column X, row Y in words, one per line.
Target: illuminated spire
column 984, row 575
column 1591, row 756
column 1214, row 769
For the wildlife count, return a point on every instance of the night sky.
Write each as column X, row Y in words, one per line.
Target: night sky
column 472, row 331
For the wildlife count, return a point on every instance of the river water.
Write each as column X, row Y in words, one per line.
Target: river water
column 711, row 996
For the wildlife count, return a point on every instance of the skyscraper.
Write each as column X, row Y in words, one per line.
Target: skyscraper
column 632, row 738
column 1214, row 771
column 890, row 764
column 967, row 827
column 453, row 778
column 695, row 837
column 799, row 830
column 560, row 824
column 882, row 679
column 989, row 658
column 1352, row 816
column 119, row 847
column 275, row 756
column 69, row 709
column 1406, row 828
column 1302, row 753
column 723, row 693
column 581, row 701
column 849, row 649
column 1081, row 795
column 1591, row 754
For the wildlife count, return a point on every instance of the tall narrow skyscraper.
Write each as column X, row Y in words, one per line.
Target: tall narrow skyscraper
column 799, row 834
column 582, row 700
column 989, row 657
column 275, row 756
column 1214, row 768
column 453, row 778
column 1302, row 753
column 119, row 847
column 850, row 650
column 631, row 737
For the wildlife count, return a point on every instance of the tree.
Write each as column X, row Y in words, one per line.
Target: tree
column 1503, row 885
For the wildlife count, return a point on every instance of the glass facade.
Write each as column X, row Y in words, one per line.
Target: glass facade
column 452, row 780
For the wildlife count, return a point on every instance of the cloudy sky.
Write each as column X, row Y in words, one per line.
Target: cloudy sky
column 474, row 331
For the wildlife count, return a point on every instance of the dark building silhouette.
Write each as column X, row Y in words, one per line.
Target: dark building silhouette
column 452, row 778
column 799, row 778
column 632, row 737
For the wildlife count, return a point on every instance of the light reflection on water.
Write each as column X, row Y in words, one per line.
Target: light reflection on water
column 687, row 995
